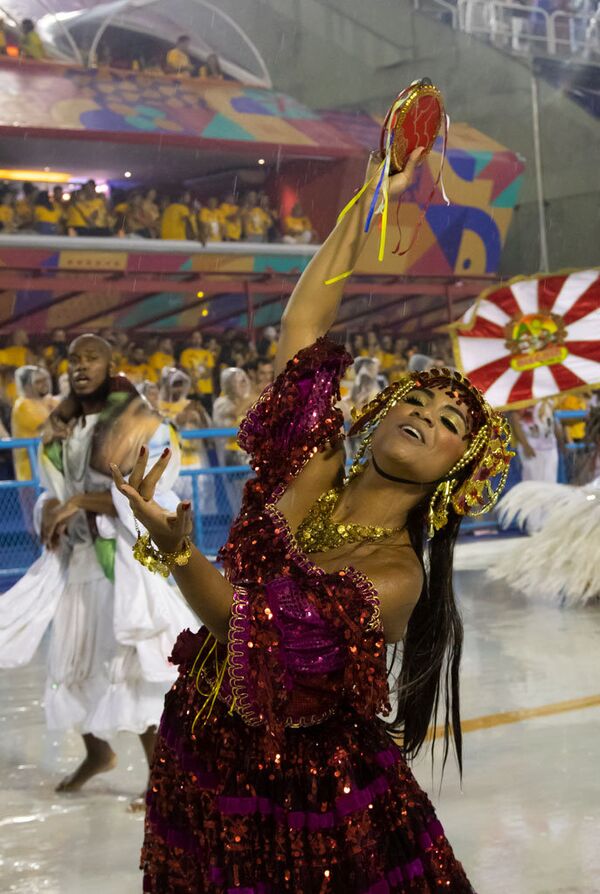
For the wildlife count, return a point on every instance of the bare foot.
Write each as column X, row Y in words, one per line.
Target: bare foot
column 137, row 805
column 90, row 766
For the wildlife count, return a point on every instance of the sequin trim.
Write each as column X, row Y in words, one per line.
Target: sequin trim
column 239, row 666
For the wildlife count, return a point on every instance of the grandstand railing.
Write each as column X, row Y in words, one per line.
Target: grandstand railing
column 521, row 29
column 215, row 491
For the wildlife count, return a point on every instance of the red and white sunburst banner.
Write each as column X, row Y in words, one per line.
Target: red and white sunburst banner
column 532, row 338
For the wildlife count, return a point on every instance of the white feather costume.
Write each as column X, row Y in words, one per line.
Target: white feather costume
column 559, row 558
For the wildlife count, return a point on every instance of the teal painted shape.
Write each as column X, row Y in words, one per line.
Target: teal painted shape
column 222, row 128
column 482, row 160
column 508, row 197
column 141, row 123
column 151, row 307
column 280, row 263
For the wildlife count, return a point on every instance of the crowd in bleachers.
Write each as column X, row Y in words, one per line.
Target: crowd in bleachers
column 148, row 214
column 203, row 381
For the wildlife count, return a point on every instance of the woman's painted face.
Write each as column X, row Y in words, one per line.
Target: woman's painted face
column 423, row 436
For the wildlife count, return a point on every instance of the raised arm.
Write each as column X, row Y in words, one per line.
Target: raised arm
column 313, row 306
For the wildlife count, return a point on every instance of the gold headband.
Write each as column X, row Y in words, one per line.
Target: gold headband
column 488, row 453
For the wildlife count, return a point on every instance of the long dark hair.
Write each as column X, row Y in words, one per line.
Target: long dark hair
column 432, row 645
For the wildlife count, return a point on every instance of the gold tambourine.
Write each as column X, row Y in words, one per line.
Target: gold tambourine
column 414, row 121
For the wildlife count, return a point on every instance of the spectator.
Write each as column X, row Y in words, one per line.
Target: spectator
column 24, row 207
column 211, row 68
column 97, row 210
column 537, row 437
column 199, row 362
column 2, row 45
column 178, row 219
column 55, row 354
column 574, row 431
column 31, row 410
column 174, row 389
column 46, row 216
column 255, row 221
column 137, row 222
column 210, row 220
column 178, row 60
column 31, row 46
column 162, row 357
column 230, row 408
column 59, row 202
column 267, row 344
column 8, row 222
column 151, row 392
column 262, row 375
column 14, row 355
column 231, row 219
column 194, row 455
column 138, row 370
column 297, row 227
column 87, row 214
column 151, row 212
column 264, row 203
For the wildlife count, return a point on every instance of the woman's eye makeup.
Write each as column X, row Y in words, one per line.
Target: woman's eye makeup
column 450, row 425
column 414, row 399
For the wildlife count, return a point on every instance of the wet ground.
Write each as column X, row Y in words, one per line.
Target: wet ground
column 527, row 820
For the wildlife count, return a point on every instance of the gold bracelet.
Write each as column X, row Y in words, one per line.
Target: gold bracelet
column 152, row 558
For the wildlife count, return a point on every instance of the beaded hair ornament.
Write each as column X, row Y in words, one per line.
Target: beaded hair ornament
column 488, row 454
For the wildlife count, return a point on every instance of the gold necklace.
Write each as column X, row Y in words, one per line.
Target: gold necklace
column 318, row 533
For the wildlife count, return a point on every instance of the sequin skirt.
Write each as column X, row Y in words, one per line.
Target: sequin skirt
column 335, row 811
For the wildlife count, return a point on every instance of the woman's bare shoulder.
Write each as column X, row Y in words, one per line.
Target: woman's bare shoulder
column 397, row 575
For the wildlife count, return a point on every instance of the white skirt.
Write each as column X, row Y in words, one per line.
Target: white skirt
column 95, row 684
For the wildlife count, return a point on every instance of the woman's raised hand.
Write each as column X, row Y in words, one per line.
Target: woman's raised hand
column 167, row 529
column 399, row 182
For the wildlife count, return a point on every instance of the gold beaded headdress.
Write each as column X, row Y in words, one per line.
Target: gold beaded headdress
column 488, row 454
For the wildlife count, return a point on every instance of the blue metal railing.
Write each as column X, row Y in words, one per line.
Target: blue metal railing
column 215, row 491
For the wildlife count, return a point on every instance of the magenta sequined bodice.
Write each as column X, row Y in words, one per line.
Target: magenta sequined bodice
column 303, row 641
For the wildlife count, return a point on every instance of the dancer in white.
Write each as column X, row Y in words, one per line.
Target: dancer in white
column 537, row 436
column 112, row 625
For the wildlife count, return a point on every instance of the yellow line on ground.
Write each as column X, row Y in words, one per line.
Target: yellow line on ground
column 490, row 720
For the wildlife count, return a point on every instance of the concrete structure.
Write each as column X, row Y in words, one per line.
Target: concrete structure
column 352, row 54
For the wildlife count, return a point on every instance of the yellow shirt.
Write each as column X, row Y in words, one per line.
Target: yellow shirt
column 97, row 212
column 172, row 408
column 7, row 216
column 173, row 223
column 191, row 359
column 177, row 60
column 41, row 214
column 24, row 211
column 77, row 214
column 257, row 221
column 574, row 430
column 231, row 228
column 211, row 218
column 28, row 416
column 158, row 360
column 296, row 225
column 137, row 373
column 32, row 46
column 59, row 368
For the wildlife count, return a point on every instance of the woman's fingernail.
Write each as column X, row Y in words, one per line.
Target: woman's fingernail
column 142, row 450
column 186, row 506
column 165, row 452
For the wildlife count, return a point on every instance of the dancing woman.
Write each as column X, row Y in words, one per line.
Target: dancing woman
column 273, row 771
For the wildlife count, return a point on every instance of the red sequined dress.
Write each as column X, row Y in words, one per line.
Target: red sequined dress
column 273, row 773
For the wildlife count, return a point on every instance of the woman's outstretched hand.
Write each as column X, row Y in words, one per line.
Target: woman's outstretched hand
column 167, row 529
